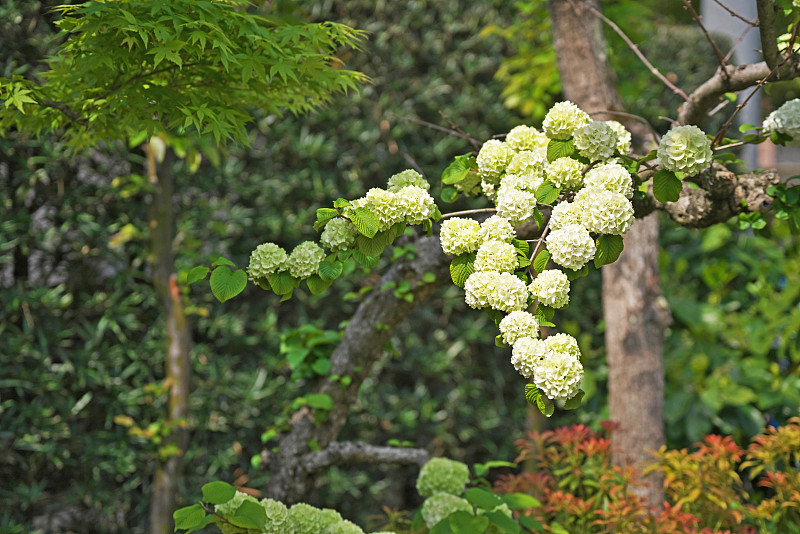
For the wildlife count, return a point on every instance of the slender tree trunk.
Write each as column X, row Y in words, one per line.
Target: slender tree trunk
column 632, row 301
column 178, row 364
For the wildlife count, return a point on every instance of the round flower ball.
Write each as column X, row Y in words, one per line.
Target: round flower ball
column 518, row 324
column 515, row 205
column 388, row 207
column 527, row 354
column 785, row 119
column 442, row 475
column 522, row 182
column 571, row 246
column 559, row 375
column 406, row 178
column 528, row 162
column 306, row 519
column 343, row 527
column 563, row 119
column 494, row 255
column 277, row 516
column 500, row 291
column 493, row 158
column 624, row 136
column 459, row 235
column 497, row 228
column 565, row 173
column 551, row 288
column 417, row 204
column 563, row 343
column 611, row 176
column 685, row 149
column 605, row 212
column 266, row 259
column 305, row 259
column 565, row 213
column 526, row 138
column 339, row 233
column 440, row 505
column 596, row 141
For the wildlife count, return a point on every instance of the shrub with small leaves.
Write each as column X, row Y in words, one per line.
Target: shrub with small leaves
column 442, row 475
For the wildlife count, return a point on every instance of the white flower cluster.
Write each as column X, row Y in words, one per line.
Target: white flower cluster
column 551, row 288
column 604, row 211
column 305, row 259
column 441, row 505
column 611, row 176
column 499, row 291
column 459, row 235
column 266, row 259
column 498, row 256
column 339, row 234
column 565, row 173
column 785, row 119
column 685, row 149
column 571, row 246
column 493, row 158
column 596, row 141
column 406, row 178
column 563, row 119
column 623, row 136
column 553, row 364
column 518, row 324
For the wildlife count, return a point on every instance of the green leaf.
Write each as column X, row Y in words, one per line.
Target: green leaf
column 223, row 261
column 522, row 261
column 558, row 148
column 326, row 214
column 330, row 268
column 458, row 169
column 188, row 517
column 320, row 401
column 531, row 394
column 442, row 527
column 449, row 194
column 535, row 397
column 520, row 501
column 521, row 246
column 465, row 523
column 370, row 246
column 666, row 186
column 226, row 284
column 574, row 402
column 398, row 229
column 482, row 469
column 503, row 521
column 282, row 282
column 437, row 215
column 531, row 523
column 249, row 515
column 218, row 492
column 609, row 247
column 196, row 274
column 321, row 366
column 461, row 267
column 367, row 261
column 547, row 193
column 538, row 217
column 747, row 127
column 317, row 285
column 540, row 261
column 498, row 341
column 341, row 203
column 365, row 221
column 482, row 498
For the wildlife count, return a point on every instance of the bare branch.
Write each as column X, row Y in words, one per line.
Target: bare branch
column 769, row 36
column 456, row 133
column 687, row 5
column 735, row 14
column 475, row 144
column 352, row 452
column 468, row 212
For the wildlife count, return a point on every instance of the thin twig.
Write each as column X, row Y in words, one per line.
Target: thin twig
column 687, row 5
column 468, row 212
column 432, row 126
column 737, row 15
column 411, row 161
column 455, row 127
column 719, row 106
column 737, row 42
column 638, row 52
column 762, row 135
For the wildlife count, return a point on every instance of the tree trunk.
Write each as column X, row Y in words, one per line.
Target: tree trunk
column 632, row 301
column 178, row 364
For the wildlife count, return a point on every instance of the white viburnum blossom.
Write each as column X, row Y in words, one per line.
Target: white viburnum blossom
column 497, row 228
column 563, row 119
column 527, row 354
column 387, row 207
column 559, row 375
column 596, row 141
column 500, row 291
column 277, row 519
column 518, row 324
column 406, row 178
column 266, row 259
column 571, row 246
column 624, row 136
column 493, row 158
column 685, row 149
column 339, row 233
column 497, row 256
column 440, row 505
column 604, row 211
column 489, row 189
column 785, row 119
column 442, row 475
column 611, row 176
column 305, row 259
column 515, row 205
column 563, row 343
column 565, row 213
column 459, row 235
column 343, row 527
column 565, row 173
column 551, row 287
column 528, row 162
column 417, row 204
column 306, row 519
column 526, row 138
column 523, row 182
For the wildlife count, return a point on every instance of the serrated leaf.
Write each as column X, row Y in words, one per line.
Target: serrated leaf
column 367, row 261
column 189, row 517
column 218, row 492
column 372, row 247
column 282, row 282
column 532, row 394
column 505, row 523
column 545, row 405
column 196, row 274
column 249, row 515
column 223, row 261
column 520, row 501
column 547, row 193
column 398, row 229
column 522, row 246
column 330, row 269
column 482, row 498
column 538, row 217
column 574, row 402
column 559, row 148
column 522, row 261
column 365, row 221
column 226, row 284
column 344, row 255
column 540, row 261
column 317, row 285
column 666, row 186
column 456, row 171
column 747, row 127
column 442, row 527
column 449, row 194
column 461, row 267
column 326, row 214
column 609, row 247
column 341, row 203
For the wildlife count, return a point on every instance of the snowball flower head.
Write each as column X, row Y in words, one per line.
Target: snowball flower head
column 405, row 178
column 563, row 119
column 527, row 354
column 563, row 343
column 497, row 228
column 459, row 235
column 565, row 213
column 277, row 516
column 228, row 508
column 685, row 149
column 559, row 375
column 528, row 162
column 494, row 255
column 551, row 287
column 526, row 138
column 611, row 176
column 624, row 136
column 493, row 158
column 343, row 527
column 387, row 207
column 522, row 182
column 571, row 246
column 339, row 234
column 442, row 475
column 518, row 324
column 266, row 259
column 785, row 119
column 417, row 204
column 440, row 505
column 596, row 141
column 515, row 205
column 305, row 259
column 499, row 291
column 565, row 173
column 605, row 212
column 305, row 519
